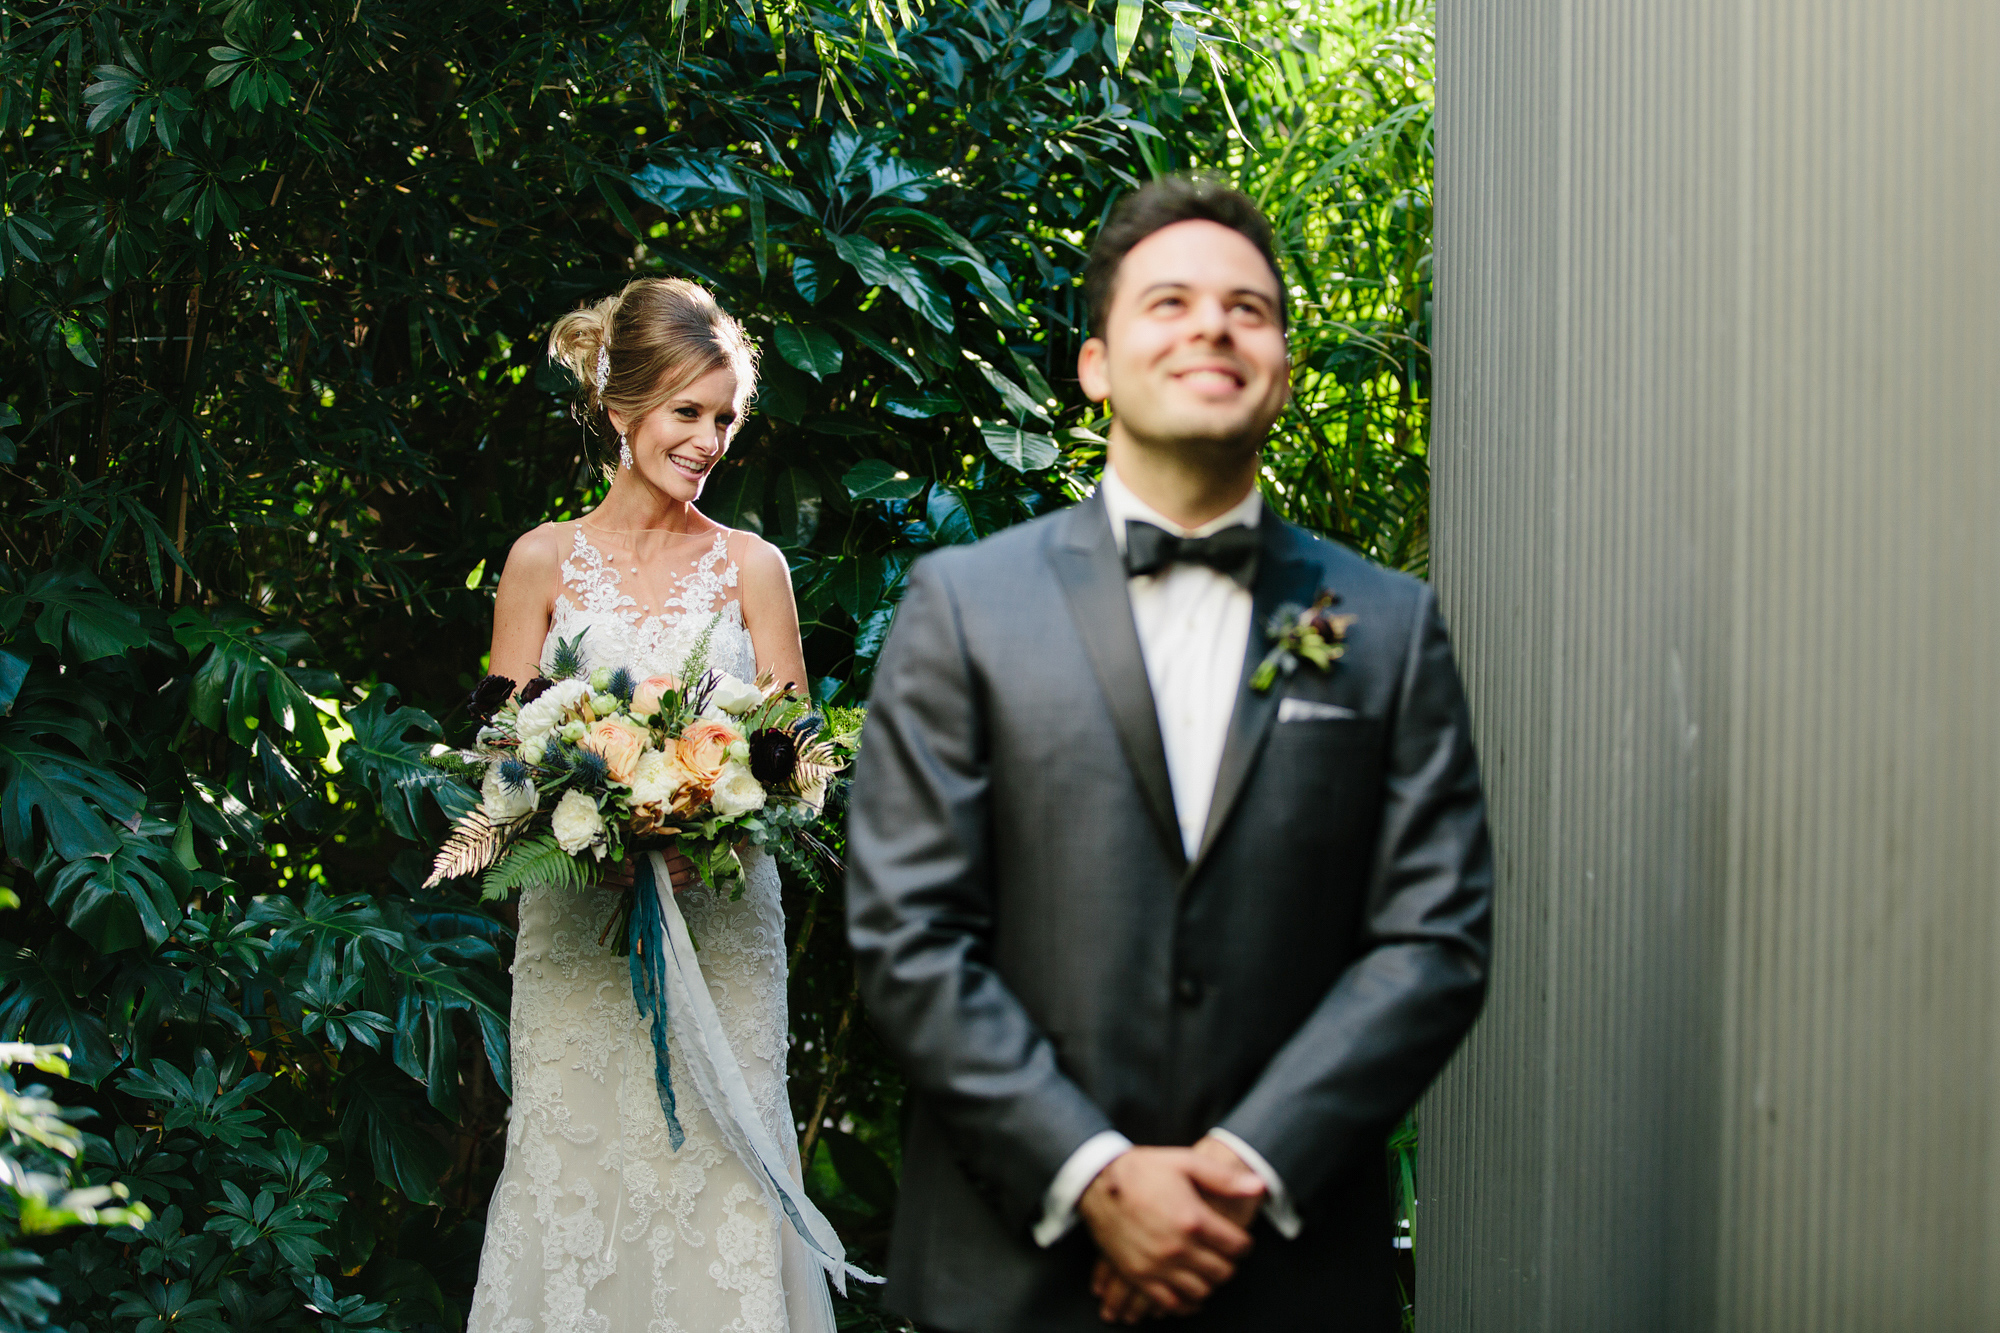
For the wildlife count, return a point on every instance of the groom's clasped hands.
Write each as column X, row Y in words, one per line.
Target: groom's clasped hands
column 1171, row 1224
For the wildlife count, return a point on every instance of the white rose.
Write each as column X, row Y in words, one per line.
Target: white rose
column 576, row 823
column 734, row 697
column 657, row 780
column 539, row 718
column 504, row 801
column 736, row 792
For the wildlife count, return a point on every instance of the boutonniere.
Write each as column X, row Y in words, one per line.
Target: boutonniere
column 1313, row 633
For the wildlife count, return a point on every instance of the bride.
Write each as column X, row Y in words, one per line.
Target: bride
column 597, row 1224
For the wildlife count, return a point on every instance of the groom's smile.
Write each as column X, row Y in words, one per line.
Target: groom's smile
column 1193, row 344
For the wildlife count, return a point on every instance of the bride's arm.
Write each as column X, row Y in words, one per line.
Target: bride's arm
column 521, row 609
column 771, row 613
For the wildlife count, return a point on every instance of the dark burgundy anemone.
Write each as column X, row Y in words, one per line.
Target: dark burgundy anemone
column 487, row 696
column 535, row 688
column 773, row 756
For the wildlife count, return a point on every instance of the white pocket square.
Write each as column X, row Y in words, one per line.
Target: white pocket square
column 1310, row 710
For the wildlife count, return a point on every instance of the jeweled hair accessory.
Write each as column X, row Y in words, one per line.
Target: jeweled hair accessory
column 603, row 375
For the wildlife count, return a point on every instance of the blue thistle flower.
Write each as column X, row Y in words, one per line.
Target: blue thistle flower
column 515, row 775
column 588, row 770
column 622, row 684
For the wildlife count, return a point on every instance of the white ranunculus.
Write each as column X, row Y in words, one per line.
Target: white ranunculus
column 504, row 801
column 734, row 697
column 576, row 823
column 539, row 718
column 531, row 752
column 657, row 780
column 737, row 792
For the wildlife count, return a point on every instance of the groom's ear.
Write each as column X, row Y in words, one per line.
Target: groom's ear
column 1090, row 370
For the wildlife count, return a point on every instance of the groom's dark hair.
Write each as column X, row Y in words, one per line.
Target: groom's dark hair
column 1159, row 204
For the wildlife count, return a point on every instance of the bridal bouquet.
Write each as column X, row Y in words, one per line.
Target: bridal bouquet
column 583, row 770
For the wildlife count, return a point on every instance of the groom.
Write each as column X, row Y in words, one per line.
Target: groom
column 1164, row 955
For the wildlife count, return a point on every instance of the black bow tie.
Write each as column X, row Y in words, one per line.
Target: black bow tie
column 1150, row 549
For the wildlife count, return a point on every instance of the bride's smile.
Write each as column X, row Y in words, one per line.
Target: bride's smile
column 676, row 446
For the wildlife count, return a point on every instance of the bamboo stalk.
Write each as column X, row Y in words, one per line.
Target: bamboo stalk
column 836, row 1064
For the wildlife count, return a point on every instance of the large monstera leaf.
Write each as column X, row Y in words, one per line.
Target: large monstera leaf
column 70, row 786
column 79, row 617
column 243, row 685
column 383, row 752
column 132, row 896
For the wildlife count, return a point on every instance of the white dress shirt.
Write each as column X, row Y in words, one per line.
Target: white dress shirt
column 1194, row 626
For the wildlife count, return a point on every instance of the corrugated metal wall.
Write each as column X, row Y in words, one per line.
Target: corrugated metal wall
column 1717, row 524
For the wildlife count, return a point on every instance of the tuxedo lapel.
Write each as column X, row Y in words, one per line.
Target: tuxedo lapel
column 1284, row 574
column 1085, row 558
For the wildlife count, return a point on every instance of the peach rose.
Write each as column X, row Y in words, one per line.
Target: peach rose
column 646, row 698
column 704, row 748
column 620, row 742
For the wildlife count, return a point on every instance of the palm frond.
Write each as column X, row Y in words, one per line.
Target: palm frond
column 538, row 861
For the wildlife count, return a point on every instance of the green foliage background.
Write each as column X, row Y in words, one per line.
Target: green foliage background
column 273, row 404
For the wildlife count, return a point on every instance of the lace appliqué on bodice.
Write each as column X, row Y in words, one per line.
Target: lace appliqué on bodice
column 618, row 633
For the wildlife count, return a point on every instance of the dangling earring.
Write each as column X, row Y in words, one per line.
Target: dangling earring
column 624, row 451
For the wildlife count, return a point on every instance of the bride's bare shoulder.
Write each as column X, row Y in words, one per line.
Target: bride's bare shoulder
column 538, row 553
column 762, row 567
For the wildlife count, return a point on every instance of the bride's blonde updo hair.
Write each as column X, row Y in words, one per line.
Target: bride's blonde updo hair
column 636, row 350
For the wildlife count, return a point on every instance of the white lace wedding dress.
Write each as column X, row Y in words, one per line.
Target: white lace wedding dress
column 597, row 1224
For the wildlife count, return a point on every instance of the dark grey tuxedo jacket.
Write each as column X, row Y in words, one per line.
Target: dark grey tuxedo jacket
column 1046, row 963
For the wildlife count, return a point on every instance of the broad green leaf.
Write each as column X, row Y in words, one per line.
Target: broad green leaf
column 856, row 584
column 806, row 278
column 692, row 182
column 863, row 333
column 379, row 1114
column 862, row 1171
column 734, row 497
column 79, row 616
column 79, row 798
column 1016, row 399
column 242, row 683
column 884, row 268
column 1021, row 450
column 13, row 670
column 39, row 1000
column 132, row 897
column 874, row 479
column 919, row 406
column 795, row 504
column 210, row 1102
column 1031, row 375
column 382, row 753
column 900, row 178
column 811, row 349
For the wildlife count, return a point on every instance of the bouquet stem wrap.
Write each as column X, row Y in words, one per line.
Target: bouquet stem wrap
column 667, row 980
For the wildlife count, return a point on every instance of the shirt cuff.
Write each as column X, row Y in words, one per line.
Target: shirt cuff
column 1277, row 1201
column 1059, row 1204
